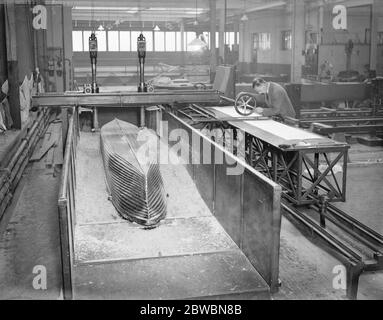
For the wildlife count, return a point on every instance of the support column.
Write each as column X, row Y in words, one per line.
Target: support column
column 376, row 12
column 67, row 47
column 213, row 55
column 244, row 46
column 182, row 30
column 222, row 25
column 236, row 42
column 12, row 65
column 3, row 47
column 298, row 39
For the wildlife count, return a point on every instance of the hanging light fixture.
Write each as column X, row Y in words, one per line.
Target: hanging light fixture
column 100, row 27
column 244, row 16
column 195, row 23
column 197, row 44
column 156, row 28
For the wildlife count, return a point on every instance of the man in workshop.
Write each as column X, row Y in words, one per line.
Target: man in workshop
column 274, row 98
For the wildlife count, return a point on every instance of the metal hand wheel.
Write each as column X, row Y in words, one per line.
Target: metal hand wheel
column 245, row 104
column 150, row 87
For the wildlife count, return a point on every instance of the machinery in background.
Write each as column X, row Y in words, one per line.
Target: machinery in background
column 93, row 88
column 141, row 51
column 340, row 108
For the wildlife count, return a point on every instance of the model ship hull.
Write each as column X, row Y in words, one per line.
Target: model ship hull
column 135, row 184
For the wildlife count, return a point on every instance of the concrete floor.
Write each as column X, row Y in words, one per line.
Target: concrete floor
column 31, row 238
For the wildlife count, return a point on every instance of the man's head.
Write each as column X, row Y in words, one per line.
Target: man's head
column 259, row 85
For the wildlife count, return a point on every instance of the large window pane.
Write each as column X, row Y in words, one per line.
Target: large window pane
column 170, row 41
column 86, row 35
column 159, row 41
column 265, row 41
column 77, row 40
column 178, row 41
column 112, row 40
column 101, row 40
column 134, row 36
column 286, row 40
column 190, row 36
column 124, row 40
column 149, row 40
column 206, row 38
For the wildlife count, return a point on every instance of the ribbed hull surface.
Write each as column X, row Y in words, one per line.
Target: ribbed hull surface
column 134, row 182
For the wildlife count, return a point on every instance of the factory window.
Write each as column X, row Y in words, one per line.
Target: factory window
column 149, row 40
column 133, row 36
column 229, row 39
column 189, row 37
column 77, row 41
column 101, row 40
column 86, row 35
column 264, row 41
column 170, row 41
column 178, row 41
column 255, row 41
column 113, row 43
column 206, row 37
column 159, row 41
column 124, row 40
column 286, row 40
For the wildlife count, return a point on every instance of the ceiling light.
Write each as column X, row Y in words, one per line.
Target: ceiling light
column 197, row 45
column 244, row 17
column 100, row 28
column 195, row 23
column 156, row 28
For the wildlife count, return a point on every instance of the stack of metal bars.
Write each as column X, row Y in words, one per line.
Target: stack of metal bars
column 134, row 182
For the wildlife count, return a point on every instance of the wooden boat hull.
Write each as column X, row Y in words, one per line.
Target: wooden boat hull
column 135, row 185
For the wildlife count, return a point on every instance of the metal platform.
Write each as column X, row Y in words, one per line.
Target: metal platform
column 300, row 162
column 297, row 159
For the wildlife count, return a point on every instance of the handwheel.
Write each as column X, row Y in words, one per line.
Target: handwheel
column 150, row 87
column 245, row 104
column 200, row 86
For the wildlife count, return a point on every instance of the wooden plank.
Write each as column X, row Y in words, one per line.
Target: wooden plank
column 50, row 139
column 43, row 150
column 58, row 153
column 49, row 157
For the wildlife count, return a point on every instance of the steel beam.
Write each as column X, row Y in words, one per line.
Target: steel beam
column 128, row 99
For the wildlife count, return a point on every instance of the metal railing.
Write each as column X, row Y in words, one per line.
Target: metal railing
column 66, row 202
